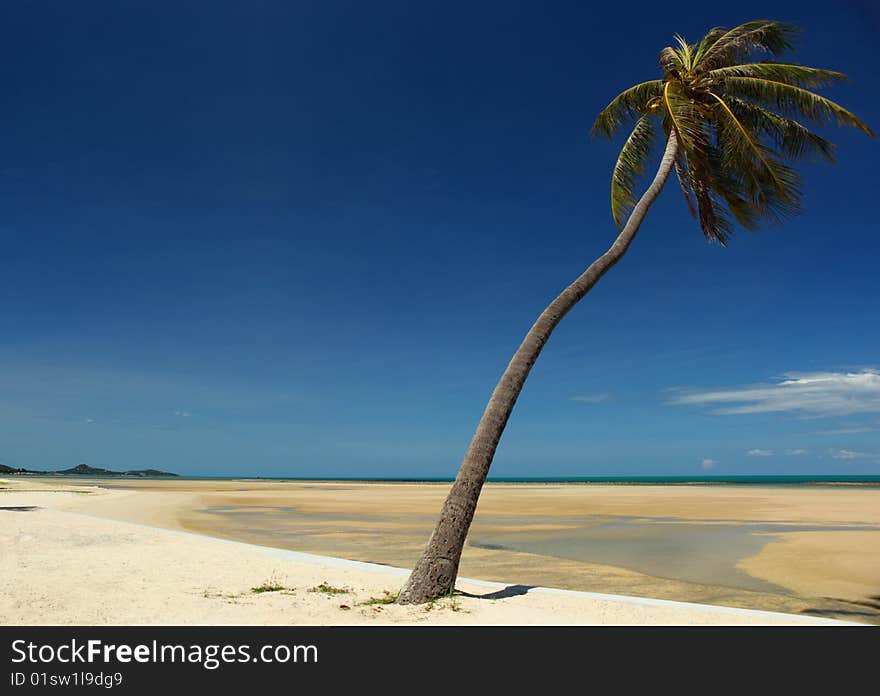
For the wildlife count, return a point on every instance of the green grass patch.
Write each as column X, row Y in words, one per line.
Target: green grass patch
column 325, row 588
column 449, row 601
column 267, row 587
column 386, row 598
column 273, row 584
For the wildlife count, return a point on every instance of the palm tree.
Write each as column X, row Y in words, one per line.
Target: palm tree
column 729, row 123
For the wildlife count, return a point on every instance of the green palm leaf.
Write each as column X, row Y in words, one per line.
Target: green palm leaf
column 686, row 117
column 671, row 62
column 738, row 43
column 709, row 40
column 793, row 100
column 682, row 175
column 766, row 183
column 790, row 73
column 789, row 137
column 738, row 123
column 630, row 166
column 711, row 213
column 728, row 185
column 627, row 105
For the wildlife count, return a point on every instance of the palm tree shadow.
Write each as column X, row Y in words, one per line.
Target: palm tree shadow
column 509, row 591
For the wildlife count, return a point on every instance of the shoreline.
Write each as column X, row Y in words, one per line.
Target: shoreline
column 818, row 480
column 203, row 580
column 165, row 510
column 403, row 573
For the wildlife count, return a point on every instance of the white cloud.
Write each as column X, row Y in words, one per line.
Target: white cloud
column 707, row 464
column 850, row 429
column 813, row 394
column 182, row 414
column 591, row 398
column 849, row 454
column 795, row 452
column 760, row 453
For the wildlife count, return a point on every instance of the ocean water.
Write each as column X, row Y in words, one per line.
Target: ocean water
column 764, row 480
column 701, row 551
column 552, row 547
column 781, row 480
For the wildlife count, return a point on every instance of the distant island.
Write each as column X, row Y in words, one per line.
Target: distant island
column 84, row 470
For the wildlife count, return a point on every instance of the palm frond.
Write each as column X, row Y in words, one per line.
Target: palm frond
column 711, row 212
column 771, row 187
column 681, row 175
column 670, row 61
column 789, row 73
column 689, row 121
column 737, row 44
column 707, row 42
column 685, row 52
column 794, row 101
column 728, row 185
column 630, row 166
column 627, row 105
column 791, row 139
column 740, row 122
column 685, row 117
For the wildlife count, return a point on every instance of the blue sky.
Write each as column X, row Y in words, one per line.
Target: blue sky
column 304, row 239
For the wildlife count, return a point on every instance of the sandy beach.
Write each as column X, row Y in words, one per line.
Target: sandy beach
column 147, row 553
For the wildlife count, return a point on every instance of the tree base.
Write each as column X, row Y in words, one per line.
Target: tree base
column 431, row 579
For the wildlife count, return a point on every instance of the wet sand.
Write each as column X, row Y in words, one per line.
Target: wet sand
column 59, row 567
column 805, row 550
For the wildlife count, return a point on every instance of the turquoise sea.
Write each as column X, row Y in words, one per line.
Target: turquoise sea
column 334, row 517
column 786, row 480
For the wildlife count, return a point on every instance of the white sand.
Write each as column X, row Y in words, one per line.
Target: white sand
column 60, row 567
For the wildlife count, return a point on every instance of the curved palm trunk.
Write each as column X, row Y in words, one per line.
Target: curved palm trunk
column 435, row 572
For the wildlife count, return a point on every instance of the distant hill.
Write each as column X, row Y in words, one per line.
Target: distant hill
column 85, row 470
column 9, row 470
